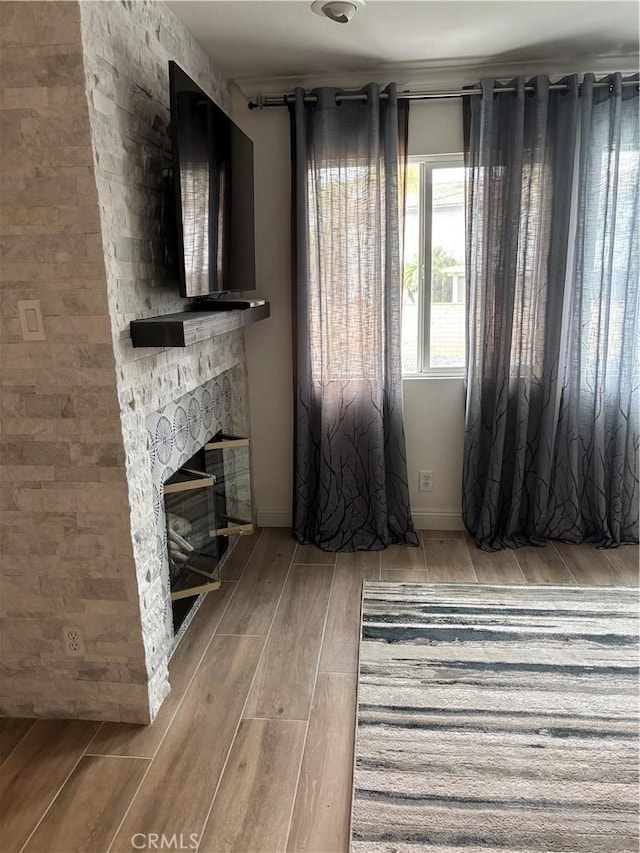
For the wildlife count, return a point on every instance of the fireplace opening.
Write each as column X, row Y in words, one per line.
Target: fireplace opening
column 207, row 503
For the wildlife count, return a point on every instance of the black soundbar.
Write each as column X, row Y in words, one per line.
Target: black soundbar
column 225, row 304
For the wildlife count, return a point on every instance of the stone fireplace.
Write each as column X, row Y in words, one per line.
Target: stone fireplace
column 126, row 53
column 163, row 433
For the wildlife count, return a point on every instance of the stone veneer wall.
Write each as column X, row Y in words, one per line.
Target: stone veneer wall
column 85, row 135
column 126, row 51
column 67, row 556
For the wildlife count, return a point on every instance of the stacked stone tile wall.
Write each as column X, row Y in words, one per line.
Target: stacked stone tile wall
column 67, row 556
column 126, row 51
column 85, row 110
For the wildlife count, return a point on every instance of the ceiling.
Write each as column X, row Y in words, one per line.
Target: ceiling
column 270, row 45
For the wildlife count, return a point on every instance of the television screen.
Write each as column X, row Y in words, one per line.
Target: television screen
column 213, row 181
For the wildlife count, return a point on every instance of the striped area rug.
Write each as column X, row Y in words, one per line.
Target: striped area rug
column 497, row 718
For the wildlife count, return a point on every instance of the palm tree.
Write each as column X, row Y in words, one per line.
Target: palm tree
column 441, row 284
column 410, row 279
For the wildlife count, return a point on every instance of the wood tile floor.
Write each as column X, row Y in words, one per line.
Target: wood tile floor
column 253, row 749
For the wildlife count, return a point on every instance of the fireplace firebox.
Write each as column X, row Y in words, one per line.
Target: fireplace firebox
column 207, row 502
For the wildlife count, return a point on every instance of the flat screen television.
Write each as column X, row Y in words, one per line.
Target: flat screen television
column 213, row 187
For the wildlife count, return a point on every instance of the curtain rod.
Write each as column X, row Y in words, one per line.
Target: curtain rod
column 263, row 101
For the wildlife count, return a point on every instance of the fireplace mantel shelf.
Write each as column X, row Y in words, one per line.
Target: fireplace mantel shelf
column 191, row 327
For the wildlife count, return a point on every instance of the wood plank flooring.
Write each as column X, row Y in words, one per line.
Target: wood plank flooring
column 90, row 806
column 253, row 748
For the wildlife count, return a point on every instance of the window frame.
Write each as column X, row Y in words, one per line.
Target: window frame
column 428, row 162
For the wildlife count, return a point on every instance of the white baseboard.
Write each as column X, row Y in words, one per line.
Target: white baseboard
column 272, row 517
column 423, row 519
column 437, row 519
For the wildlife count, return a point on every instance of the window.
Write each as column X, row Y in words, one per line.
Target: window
column 433, row 309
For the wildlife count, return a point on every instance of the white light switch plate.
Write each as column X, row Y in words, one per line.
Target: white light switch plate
column 31, row 320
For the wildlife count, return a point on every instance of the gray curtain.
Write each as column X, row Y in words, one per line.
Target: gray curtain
column 551, row 423
column 350, row 490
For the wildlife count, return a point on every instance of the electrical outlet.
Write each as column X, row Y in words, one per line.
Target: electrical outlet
column 73, row 642
column 425, row 481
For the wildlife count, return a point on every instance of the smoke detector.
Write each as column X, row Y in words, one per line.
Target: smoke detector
column 337, row 10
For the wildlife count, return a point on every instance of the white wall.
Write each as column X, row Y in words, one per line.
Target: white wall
column 433, row 407
column 268, row 344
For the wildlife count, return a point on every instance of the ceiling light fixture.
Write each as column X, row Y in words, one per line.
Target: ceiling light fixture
column 337, row 10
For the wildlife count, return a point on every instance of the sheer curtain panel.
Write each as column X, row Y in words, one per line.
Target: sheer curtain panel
column 594, row 488
column 350, row 490
column 551, row 429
